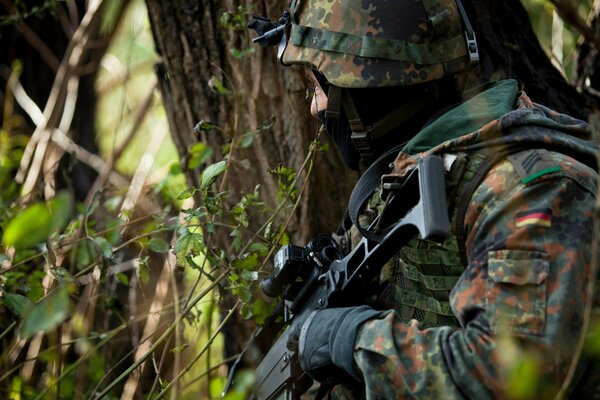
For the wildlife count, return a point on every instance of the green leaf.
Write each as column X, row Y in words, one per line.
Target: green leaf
column 188, row 243
column 186, row 194
column 84, row 254
column 30, row 227
column 259, row 248
column 199, row 153
column 241, row 53
column 142, row 271
column 244, row 381
column 61, row 207
column 104, row 246
column 261, row 310
column 210, row 174
column 592, row 343
column 247, row 262
column 158, row 245
column 204, row 126
column 17, row 303
column 123, row 278
column 47, row 314
column 524, row 379
column 217, row 86
column 249, row 275
column 247, row 140
column 215, row 387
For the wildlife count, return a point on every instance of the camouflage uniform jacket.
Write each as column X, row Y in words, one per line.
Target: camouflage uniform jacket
column 528, row 233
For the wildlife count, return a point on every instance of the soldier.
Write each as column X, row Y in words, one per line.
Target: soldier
column 520, row 183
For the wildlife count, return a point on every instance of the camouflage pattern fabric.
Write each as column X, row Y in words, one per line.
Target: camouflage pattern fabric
column 529, row 231
column 374, row 43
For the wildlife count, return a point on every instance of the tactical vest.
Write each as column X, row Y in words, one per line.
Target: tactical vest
column 417, row 281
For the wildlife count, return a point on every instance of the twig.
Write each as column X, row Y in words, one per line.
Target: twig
column 68, row 26
column 142, row 172
column 154, row 313
column 163, row 337
column 36, row 148
column 109, row 166
column 61, row 139
column 201, row 352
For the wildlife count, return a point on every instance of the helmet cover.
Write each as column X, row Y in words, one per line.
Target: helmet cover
column 377, row 43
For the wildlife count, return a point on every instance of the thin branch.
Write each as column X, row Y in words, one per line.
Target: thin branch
column 201, row 352
column 61, row 139
column 68, row 26
column 36, row 148
column 163, row 337
column 154, row 312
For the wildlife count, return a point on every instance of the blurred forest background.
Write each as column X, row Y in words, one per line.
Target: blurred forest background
column 152, row 160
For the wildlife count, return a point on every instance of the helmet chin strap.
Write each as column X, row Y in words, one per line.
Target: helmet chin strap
column 364, row 136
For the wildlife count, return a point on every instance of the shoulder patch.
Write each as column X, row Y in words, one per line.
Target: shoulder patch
column 531, row 164
column 540, row 217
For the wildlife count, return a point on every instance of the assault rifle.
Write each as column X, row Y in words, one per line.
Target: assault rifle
column 318, row 277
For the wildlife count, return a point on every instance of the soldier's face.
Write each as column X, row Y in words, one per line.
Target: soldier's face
column 319, row 99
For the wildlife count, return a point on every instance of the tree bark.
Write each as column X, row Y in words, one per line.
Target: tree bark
column 196, row 47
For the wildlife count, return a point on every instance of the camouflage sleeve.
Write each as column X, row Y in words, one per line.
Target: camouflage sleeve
column 523, row 292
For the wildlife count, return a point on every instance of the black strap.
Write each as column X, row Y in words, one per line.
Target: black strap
column 366, row 186
column 334, row 102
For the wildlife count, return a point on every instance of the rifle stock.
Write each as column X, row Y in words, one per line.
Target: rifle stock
column 423, row 210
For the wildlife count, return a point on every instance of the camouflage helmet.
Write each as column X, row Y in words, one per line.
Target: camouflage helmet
column 376, row 43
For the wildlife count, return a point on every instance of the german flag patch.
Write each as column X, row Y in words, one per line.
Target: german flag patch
column 539, row 217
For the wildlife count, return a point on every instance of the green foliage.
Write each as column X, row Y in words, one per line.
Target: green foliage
column 47, row 314
column 218, row 87
column 210, row 174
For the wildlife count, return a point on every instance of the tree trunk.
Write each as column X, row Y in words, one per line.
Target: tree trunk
column 196, row 43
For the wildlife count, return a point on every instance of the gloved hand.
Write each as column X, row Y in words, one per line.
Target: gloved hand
column 326, row 342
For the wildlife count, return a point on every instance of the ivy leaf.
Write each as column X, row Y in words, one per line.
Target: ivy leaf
column 47, row 314
column 158, row 245
column 210, row 174
column 17, row 303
